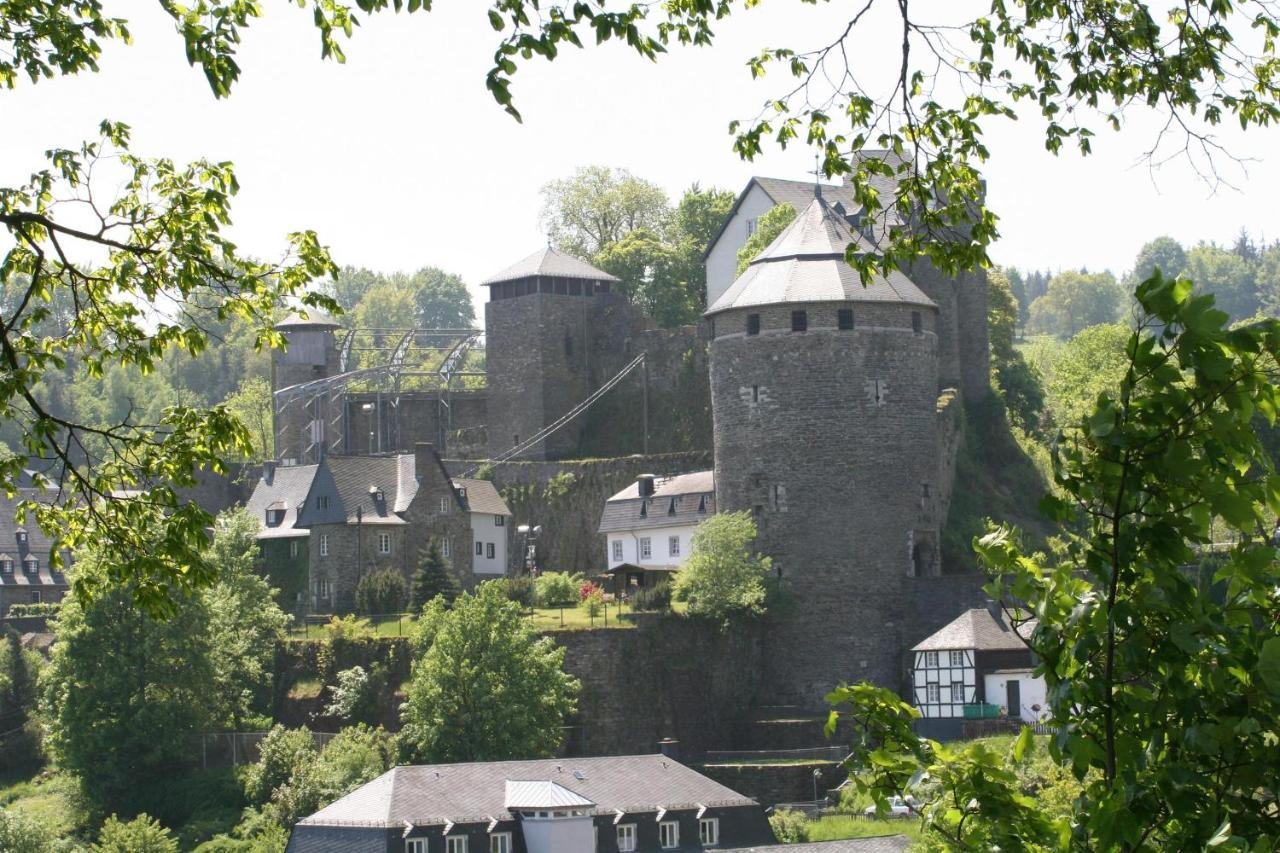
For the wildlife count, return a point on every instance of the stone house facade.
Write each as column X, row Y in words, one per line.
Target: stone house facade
column 26, row 574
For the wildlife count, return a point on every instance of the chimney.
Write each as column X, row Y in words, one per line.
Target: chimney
column 268, row 471
column 997, row 613
column 424, row 454
column 645, row 484
column 669, row 748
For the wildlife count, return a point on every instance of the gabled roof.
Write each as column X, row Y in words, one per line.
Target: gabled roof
column 978, row 629
column 552, row 263
column 680, row 501
column 468, row 793
column 358, row 478
column 805, row 263
column 37, row 544
column 482, row 496
column 543, row 794
column 290, row 485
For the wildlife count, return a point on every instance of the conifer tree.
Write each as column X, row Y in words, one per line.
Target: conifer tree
column 433, row 578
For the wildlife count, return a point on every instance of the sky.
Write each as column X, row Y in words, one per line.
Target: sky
column 400, row 159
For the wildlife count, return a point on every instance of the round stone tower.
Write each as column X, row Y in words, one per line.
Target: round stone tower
column 300, row 429
column 823, row 397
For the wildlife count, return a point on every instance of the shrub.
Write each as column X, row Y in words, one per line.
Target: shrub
column 592, row 599
column 357, row 755
column 790, row 826
column 558, row 589
column 22, row 834
column 280, row 752
column 354, row 699
column 140, row 835
column 724, row 579
column 653, row 597
column 521, row 590
column 40, row 608
column 381, row 591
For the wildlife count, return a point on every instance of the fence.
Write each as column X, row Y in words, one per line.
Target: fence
column 775, row 756
column 382, row 624
column 230, row 749
column 974, row 729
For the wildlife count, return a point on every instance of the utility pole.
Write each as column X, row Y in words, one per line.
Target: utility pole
column 644, row 400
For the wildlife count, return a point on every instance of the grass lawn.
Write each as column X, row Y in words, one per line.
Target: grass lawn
column 839, row 826
column 542, row 618
column 45, row 797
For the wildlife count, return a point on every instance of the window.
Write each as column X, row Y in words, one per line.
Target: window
column 957, row 691
column 844, row 319
column 479, row 549
column 753, row 324
column 617, row 549
column 917, row 322
column 489, row 551
column 669, row 834
column 627, row 837
column 415, row 845
column 930, row 658
column 446, row 548
column 6, row 566
column 322, row 588
column 455, row 844
column 499, row 521
column 673, row 546
column 755, row 393
column 751, row 226
column 293, row 547
column 799, row 321
column 35, row 596
column 500, row 842
column 709, row 831
column 324, row 544
column 444, row 503
column 957, row 658
column 22, row 536
column 932, row 693
column 322, row 502
column 384, row 543
column 646, row 548
column 31, row 564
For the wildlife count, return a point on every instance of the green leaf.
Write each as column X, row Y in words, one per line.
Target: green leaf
column 1269, row 664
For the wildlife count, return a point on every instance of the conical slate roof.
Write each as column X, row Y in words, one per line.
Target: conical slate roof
column 549, row 262
column 806, row 264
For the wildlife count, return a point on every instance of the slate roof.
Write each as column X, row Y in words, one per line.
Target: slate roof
column 289, row 485
column 675, row 502
column 314, row 319
column 468, row 793
column 876, row 844
column 550, row 262
column 805, row 263
column 977, row 629
column 356, row 478
column 38, row 544
column 482, row 496
column 542, row 794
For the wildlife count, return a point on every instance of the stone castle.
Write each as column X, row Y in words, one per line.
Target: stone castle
column 832, row 410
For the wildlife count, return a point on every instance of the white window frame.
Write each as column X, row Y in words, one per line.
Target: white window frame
column 957, row 692
column 490, row 551
column 444, row 503
column 31, row 565
column 415, row 845
column 646, row 548
column 6, row 567
column 384, row 543
column 752, row 223
column 932, row 692
column 322, row 501
column 956, row 657
column 669, row 835
column 673, row 546
column 617, row 550
column 931, row 659
column 626, row 837
column 324, row 544
column 446, row 549
column 35, row 596
column 455, row 844
column 293, row 548
column 500, row 842
column 709, row 831
column 499, row 521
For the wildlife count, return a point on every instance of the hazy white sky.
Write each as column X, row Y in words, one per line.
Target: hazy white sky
column 400, row 158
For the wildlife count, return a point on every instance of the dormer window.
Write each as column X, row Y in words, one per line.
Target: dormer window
column 322, row 501
column 22, row 536
column 702, row 504
column 377, row 495
column 644, row 509
column 275, row 514
column 31, row 565
column 6, row 566
column 671, row 509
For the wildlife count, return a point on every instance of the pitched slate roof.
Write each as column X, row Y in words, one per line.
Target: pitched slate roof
column 978, row 629
column 356, row 478
column 38, row 545
column 805, row 263
column 482, row 496
column 552, row 263
column 289, row 486
column 686, row 499
column 468, row 793
column 542, row 794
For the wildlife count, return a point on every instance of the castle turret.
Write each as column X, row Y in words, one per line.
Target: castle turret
column 311, row 354
column 538, row 325
column 823, row 397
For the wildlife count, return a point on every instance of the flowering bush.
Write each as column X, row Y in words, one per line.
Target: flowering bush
column 592, row 599
column 587, row 590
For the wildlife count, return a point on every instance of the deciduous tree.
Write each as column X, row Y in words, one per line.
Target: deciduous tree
column 724, row 579
column 597, row 206
column 768, row 227
column 1076, row 300
column 488, row 688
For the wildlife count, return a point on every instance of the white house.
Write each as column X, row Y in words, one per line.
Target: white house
column 649, row 525
column 490, row 523
column 977, row 659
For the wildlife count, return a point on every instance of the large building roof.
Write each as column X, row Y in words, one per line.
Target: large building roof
column 359, row 479
column 806, row 263
column 682, row 500
column 467, row 793
column 978, row 629
column 37, row 544
column 551, row 263
column 287, row 490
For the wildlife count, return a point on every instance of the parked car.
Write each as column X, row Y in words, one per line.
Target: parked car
column 898, row 807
